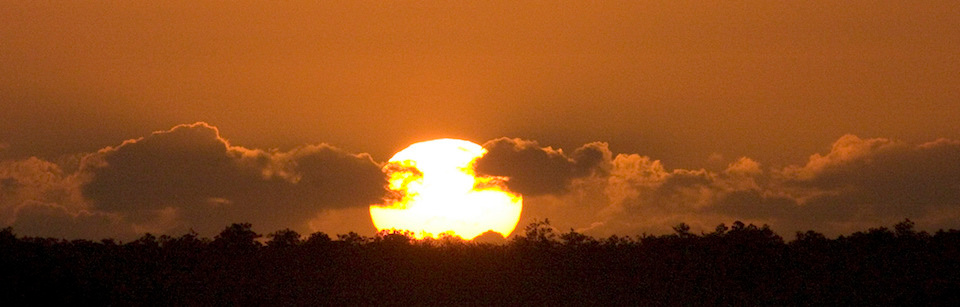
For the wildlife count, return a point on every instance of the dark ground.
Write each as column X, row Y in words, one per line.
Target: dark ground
column 738, row 265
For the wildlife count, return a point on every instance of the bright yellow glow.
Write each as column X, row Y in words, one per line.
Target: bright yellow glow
column 438, row 192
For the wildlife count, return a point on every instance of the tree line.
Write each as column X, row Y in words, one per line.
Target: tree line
column 736, row 265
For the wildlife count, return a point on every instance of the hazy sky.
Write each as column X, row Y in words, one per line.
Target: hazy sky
column 872, row 87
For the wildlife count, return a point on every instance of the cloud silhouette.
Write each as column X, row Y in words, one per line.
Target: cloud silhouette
column 195, row 178
column 882, row 177
column 535, row 170
column 189, row 177
column 52, row 220
column 859, row 183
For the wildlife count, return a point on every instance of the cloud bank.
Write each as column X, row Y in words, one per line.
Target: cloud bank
column 535, row 170
column 859, row 183
column 190, row 177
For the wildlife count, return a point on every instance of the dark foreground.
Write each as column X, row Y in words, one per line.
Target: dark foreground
column 740, row 265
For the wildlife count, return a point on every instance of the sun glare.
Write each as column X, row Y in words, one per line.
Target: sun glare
column 437, row 192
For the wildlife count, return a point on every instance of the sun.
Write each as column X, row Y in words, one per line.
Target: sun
column 436, row 191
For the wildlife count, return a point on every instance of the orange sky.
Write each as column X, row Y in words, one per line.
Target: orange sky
column 677, row 81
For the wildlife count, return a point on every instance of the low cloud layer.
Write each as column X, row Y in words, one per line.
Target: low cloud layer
column 860, row 183
column 535, row 170
column 186, row 178
column 189, row 177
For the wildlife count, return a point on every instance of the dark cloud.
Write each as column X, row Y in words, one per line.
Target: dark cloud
column 55, row 221
column 32, row 180
column 8, row 185
column 188, row 177
column 685, row 179
column 535, row 170
column 753, row 205
column 859, row 183
column 881, row 171
column 335, row 178
column 185, row 165
column 195, row 178
column 191, row 177
column 882, row 177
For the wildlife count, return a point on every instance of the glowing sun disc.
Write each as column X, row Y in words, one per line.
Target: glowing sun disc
column 438, row 192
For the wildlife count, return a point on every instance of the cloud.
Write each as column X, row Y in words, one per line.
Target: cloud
column 876, row 178
column 55, row 221
column 535, row 170
column 754, row 205
column 194, row 178
column 859, row 183
column 189, row 177
column 33, row 180
column 38, row 198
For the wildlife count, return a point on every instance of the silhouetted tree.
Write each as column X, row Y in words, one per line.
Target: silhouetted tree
column 352, row 238
column 317, row 239
column 283, row 239
column 743, row 264
column 683, row 230
column 538, row 232
column 237, row 237
column 7, row 237
column 574, row 238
